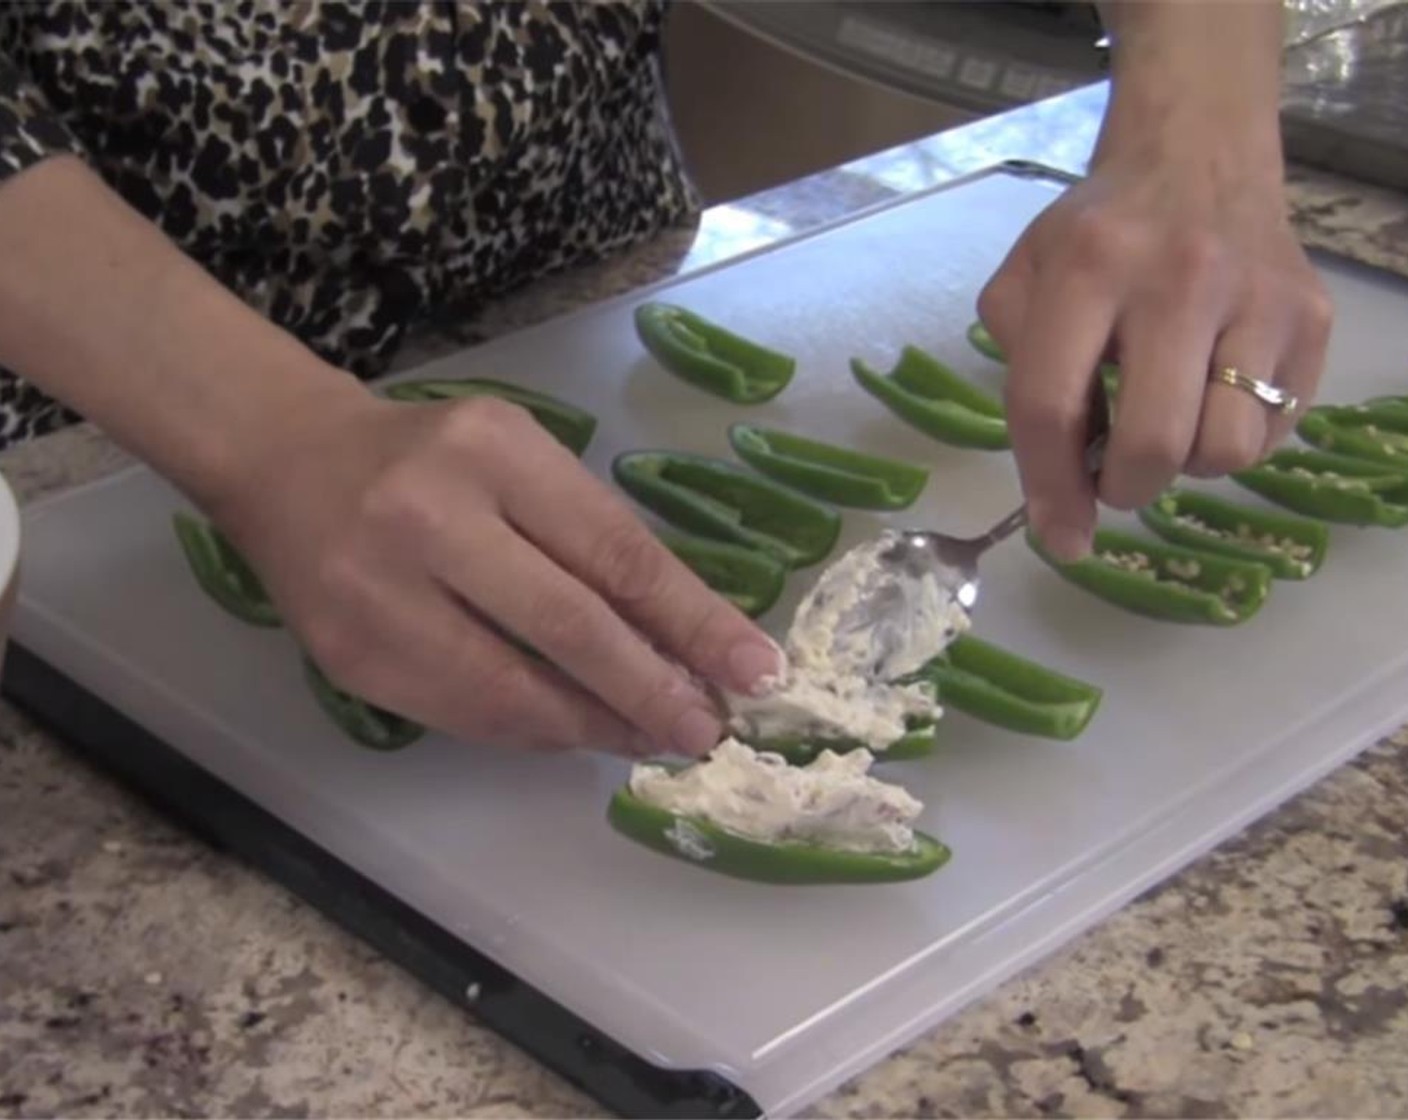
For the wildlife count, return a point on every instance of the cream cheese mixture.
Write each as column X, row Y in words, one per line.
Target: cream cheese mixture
column 832, row 802
column 841, row 667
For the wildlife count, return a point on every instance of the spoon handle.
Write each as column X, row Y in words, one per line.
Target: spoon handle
column 1094, row 458
column 1010, row 524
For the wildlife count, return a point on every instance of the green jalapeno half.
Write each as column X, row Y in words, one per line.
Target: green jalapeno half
column 998, row 687
column 571, row 426
column 985, row 344
column 1330, row 487
column 1165, row 581
column 720, row 500
column 222, row 573
column 360, row 721
column 749, row 579
column 930, row 397
column 828, row 472
column 708, row 846
column 1292, row 547
column 1389, row 411
column 710, row 357
column 1380, row 437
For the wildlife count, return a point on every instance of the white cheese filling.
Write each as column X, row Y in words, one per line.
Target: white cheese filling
column 832, row 802
column 840, row 664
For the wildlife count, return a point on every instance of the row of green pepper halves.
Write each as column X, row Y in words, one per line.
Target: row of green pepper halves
column 1210, row 562
column 784, row 506
column 1376, row 430
column 1354, row 472
column 920, row 390
column 1351, row 477
column 743, row 512
column 743, row 530
column 1214, row 560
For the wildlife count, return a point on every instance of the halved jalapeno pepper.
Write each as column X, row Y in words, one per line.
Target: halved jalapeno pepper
column 360, row 721
column 1292, row 547
column 1331, row 487
column 706, row 845
column 222, row 572
column 1165, row 581
column 1380, row 437
column 929, row 396
column 826, row 471
column 985, row 344
column 720, row 500
column 571, row 426
column 749, row 579
column 998, row 687
column 1390, row 411
column 710, row 357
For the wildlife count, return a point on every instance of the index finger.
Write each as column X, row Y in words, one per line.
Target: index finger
column 1054, row 359
column 592, row 532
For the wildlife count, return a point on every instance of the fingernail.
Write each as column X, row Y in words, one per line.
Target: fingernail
column 751, row 664
column 1066, row 542
column 696, row 732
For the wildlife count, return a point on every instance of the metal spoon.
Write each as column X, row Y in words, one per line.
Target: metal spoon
column 924, row 574
column 955, row 559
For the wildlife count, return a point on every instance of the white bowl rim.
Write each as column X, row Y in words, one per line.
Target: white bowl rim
column 9, row 533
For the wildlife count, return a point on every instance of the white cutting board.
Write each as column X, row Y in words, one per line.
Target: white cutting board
column 785, row 991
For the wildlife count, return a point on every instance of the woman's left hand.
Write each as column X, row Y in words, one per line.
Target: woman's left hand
column 1175, row 258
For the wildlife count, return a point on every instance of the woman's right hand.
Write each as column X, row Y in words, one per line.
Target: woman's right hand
column 410, row 546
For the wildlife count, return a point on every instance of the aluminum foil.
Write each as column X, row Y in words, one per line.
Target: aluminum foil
column 1352, row 66
column 1344, row 101
column 1309, row 19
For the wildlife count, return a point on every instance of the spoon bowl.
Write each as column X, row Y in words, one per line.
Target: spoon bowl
column 934, row 559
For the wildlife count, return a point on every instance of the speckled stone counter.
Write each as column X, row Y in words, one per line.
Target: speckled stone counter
column 142, row 973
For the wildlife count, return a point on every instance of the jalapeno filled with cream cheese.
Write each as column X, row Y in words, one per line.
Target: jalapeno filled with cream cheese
column 843, row 683
column 750, row 815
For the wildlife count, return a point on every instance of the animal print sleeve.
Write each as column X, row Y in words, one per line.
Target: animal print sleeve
column 29, row 132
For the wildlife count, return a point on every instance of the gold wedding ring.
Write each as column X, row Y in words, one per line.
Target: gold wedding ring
column 1263, row 391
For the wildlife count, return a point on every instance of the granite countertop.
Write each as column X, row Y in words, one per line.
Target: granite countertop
column 142, row 973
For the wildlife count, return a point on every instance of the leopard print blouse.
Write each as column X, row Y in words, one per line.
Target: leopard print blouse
column 349, row 168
